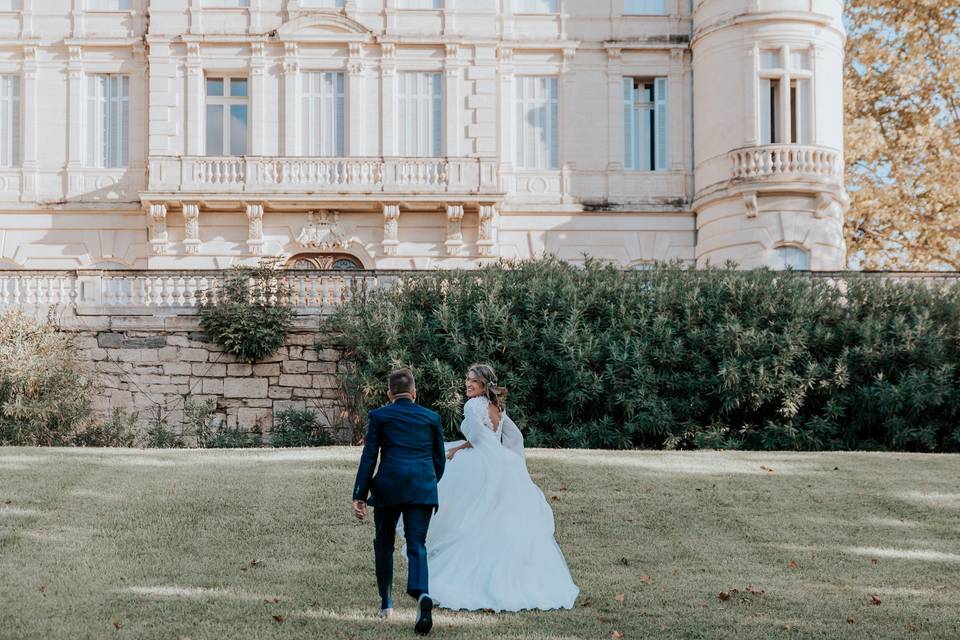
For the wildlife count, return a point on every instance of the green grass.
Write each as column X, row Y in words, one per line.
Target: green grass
column 161, row 542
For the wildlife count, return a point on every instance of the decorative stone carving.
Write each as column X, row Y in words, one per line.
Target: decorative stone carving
column 159, row 240
column 454, row 241
column 391, row 216
column 255, row 229
column 487, row 236
column 323, row 232
column 750, row 204
column 191, row 218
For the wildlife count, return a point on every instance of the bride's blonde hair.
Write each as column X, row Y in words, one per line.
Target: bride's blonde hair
column 495, row 393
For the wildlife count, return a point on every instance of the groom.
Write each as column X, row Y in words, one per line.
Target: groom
column 409, row 442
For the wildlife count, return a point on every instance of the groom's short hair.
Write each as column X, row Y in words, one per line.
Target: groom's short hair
column 400, row 381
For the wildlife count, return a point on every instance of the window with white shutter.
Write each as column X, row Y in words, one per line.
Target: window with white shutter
column 322, row 114
column 645, row 124
column 108, row 120
column 536, row 6
column 785, row 106
column 538, row 122
column 226, row 116
column 9, row 121
column 645, row 7
column 420, row 114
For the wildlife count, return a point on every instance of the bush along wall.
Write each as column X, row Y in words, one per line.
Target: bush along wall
column 672, row 357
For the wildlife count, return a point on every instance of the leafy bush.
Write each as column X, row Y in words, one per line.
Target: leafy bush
column 159, row 435
column 209, row 430
column 120, row 430
column 246, row 316
column 299, row 428
column 45, row 396
column 672, row 357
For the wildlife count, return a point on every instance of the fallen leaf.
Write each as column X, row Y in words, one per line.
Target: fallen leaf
column 616, row 635
column 254, row 562
column 850, row 620
column 766, row 468
column 836, row 468
column 724, row 596
column 874, row 561
column 874, row 600
column 646, row 579
column 624, row 562
column 279, row 618
column 911, row 627
column 118, row 625
column 620, row 597
column 8, row 502
column 554, row 498
column 43, row 588
column 663, row 627
column 273, row 600
column 756, row 592
column 787, row 627
column 794, row 565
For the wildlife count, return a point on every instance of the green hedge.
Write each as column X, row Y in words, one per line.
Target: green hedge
column 673, row 357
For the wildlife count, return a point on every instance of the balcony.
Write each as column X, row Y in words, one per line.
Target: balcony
column 787, row 162
column 203, row 175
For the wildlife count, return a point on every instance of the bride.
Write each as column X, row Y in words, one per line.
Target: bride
column 490, row 544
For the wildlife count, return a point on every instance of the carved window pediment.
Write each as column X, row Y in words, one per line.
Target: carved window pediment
column 323, row 25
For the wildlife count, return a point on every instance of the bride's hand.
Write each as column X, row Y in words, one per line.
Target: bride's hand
column 452, row 453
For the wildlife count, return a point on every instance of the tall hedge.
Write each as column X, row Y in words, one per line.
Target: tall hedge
column 673, row 357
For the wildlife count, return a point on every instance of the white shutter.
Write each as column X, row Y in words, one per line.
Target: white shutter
column 339, row 126
column 661, row 124
column 766, row 120
column 629, row 131
column 437, row 115
column 124, row 121
column 9, row 121
column 94, row 121
column 554, row 126
column 804, row 118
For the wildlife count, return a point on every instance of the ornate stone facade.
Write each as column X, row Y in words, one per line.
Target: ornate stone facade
column 180, row 135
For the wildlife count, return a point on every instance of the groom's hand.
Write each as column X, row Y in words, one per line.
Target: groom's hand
column 360, row 509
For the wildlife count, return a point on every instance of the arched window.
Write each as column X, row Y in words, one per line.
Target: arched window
column 332, row 261
column 791, row 258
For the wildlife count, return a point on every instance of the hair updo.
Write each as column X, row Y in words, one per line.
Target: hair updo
column 494, row 393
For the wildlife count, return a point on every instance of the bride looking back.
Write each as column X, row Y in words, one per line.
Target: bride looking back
column 490, row 544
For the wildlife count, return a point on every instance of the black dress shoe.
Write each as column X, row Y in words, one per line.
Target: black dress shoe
column 424, row 615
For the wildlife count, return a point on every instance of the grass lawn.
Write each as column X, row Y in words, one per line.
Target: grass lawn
column 121, row 543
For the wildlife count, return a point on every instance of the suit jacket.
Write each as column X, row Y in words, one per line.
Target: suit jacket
column 408, row 440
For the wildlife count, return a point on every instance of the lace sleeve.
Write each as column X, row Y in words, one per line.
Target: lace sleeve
column 474, row 427
column 512, row 438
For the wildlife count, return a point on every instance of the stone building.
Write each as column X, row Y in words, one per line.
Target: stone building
column 397, row 134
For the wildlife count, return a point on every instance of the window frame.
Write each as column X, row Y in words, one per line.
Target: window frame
column 227, row 101
column 437, row 115
column 306, row 135
column 523, row 130
column 11, row 110
column 98, row 138
column 518, row 9
column 666, row 13
column 647, row 148
column 785, row 95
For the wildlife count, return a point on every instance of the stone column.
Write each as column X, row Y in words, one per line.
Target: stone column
column 616, row 136
column 195, row 98
column 451, row 101
column 29, row 162
column 388, row 88
column 356, row 78
column 568, row 76
column 255, row 229
column 677, row 109
column 291, row 76
column 75, row 128
column 454, row 241
column 391, row 216
column 191, row 219
column 256, row 111
column 487, row 235
column 157, row 224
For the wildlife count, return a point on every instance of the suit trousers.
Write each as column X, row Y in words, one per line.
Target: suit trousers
column 416, row 520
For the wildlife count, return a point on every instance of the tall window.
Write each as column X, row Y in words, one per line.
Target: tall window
column 323, row 114
column 536, row 6
column 226, row 116
column 645, row 115
column 420, row 116
column 538, row 122
column 645, row 7
column 108, row 120
column 786, row 105
column 9, row 121
column 419, row 4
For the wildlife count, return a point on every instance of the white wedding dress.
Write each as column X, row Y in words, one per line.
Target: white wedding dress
column 490, row 545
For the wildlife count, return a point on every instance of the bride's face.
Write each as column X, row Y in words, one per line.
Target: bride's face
column 474, row 386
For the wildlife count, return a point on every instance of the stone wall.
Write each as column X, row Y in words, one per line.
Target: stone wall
column 153, row 364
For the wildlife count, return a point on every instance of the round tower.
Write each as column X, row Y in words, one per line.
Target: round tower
column 768, row 139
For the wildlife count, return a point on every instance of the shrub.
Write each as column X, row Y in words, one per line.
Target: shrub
column 209, row 430
column 120, row 430
column 299, row 428
column 672, row 357
column 246, row 317
column 45, row 395
column 159, row 435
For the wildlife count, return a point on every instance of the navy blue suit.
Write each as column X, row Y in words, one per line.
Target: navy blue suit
column 408, row 440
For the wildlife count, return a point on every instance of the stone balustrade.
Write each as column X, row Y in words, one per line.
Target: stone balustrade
column 291, row 174
column 786, row 161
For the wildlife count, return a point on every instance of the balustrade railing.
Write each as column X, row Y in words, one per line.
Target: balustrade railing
column 786, row 161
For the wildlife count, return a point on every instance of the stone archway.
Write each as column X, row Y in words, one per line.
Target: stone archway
column 330, row 261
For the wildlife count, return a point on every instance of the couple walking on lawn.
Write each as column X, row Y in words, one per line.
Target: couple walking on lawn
column 468, row 508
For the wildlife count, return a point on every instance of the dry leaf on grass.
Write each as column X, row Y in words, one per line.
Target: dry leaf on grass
column 620, row 597
column 273, row 600
column 794, row 565
column 645, row 579
column 766, row 468
column 118, row 625
column 724, row 596
column 616, row 635
column 874, row 600
column 279, row 618
column 850, row 620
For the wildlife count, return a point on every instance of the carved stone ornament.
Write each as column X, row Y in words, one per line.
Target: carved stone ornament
column 159, row 239
column 391, row 216
column 323, row 232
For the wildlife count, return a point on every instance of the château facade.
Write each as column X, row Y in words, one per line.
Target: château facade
column 399, row 134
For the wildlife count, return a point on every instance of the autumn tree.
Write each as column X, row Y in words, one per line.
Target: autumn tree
column 902, row 97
